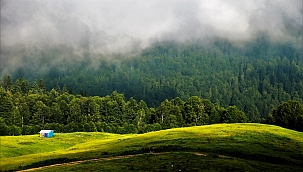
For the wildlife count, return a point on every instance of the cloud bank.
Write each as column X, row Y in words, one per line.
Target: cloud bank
column 123, row 26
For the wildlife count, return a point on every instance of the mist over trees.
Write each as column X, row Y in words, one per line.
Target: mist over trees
column 255, row 78
column 43, row 34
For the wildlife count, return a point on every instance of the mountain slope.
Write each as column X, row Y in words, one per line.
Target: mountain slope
column 257, row 77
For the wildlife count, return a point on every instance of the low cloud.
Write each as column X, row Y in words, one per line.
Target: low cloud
column 118, row 26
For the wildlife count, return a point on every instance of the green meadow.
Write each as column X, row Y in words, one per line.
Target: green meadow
column 218, row 147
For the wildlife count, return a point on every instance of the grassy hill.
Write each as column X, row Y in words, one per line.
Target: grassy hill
column 218, row 147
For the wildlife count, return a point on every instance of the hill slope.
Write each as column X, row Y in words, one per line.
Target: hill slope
column 213, row 147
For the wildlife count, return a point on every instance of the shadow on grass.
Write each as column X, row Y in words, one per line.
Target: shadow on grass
column 46, row 163
column 295, row 160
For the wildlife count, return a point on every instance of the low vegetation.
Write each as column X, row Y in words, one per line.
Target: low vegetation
column 250, row 147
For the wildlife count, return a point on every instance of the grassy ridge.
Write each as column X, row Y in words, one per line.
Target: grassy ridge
column 249, row 142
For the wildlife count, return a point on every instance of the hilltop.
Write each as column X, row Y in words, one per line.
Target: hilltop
column 240, row 147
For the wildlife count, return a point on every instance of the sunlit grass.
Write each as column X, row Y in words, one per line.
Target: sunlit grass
column 251, row 141
column 12, row 146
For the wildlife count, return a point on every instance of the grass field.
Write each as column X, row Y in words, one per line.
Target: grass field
column 218, row 147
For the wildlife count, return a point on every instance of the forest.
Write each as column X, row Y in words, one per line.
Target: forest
column 26, row 110
column 256, row 77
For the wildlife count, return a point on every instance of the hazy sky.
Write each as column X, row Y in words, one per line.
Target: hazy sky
column 125, row 25
column 113, row 24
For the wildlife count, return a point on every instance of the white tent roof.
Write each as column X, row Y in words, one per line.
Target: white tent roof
column 45, row 131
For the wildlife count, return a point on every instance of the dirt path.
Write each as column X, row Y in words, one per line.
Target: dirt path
column 113, row 158
column 92, row 160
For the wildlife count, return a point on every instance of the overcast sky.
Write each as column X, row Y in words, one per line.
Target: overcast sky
column 116, row 25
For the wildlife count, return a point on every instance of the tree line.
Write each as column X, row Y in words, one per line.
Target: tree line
column 26, row 109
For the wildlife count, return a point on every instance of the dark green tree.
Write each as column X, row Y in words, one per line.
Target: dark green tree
column 233, row 115
column 7, row 82
column 289, row 115
column 6, row 107
column 4, row 131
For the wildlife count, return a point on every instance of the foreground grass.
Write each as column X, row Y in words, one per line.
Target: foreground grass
column 250, row 146
column 175, row 161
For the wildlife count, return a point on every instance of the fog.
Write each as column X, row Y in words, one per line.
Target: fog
column 127, row 26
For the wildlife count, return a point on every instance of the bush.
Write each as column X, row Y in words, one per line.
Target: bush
column 27, row 130
column 14, row 130
column 90, row 127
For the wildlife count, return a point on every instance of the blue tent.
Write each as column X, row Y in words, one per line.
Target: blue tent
column 47, row 133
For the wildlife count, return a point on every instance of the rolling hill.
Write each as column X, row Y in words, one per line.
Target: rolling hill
column 217, row 147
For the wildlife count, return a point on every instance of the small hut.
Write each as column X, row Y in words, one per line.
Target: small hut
column 46, row 133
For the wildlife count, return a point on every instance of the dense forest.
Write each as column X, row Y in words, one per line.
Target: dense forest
column 26, row 110
column 255, row 77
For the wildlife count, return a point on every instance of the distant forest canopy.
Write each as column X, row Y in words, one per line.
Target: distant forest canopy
column 26, row 110
column 255, row 78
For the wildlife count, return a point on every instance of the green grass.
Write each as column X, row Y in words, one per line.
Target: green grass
column 253, row 147
column 175, row 161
